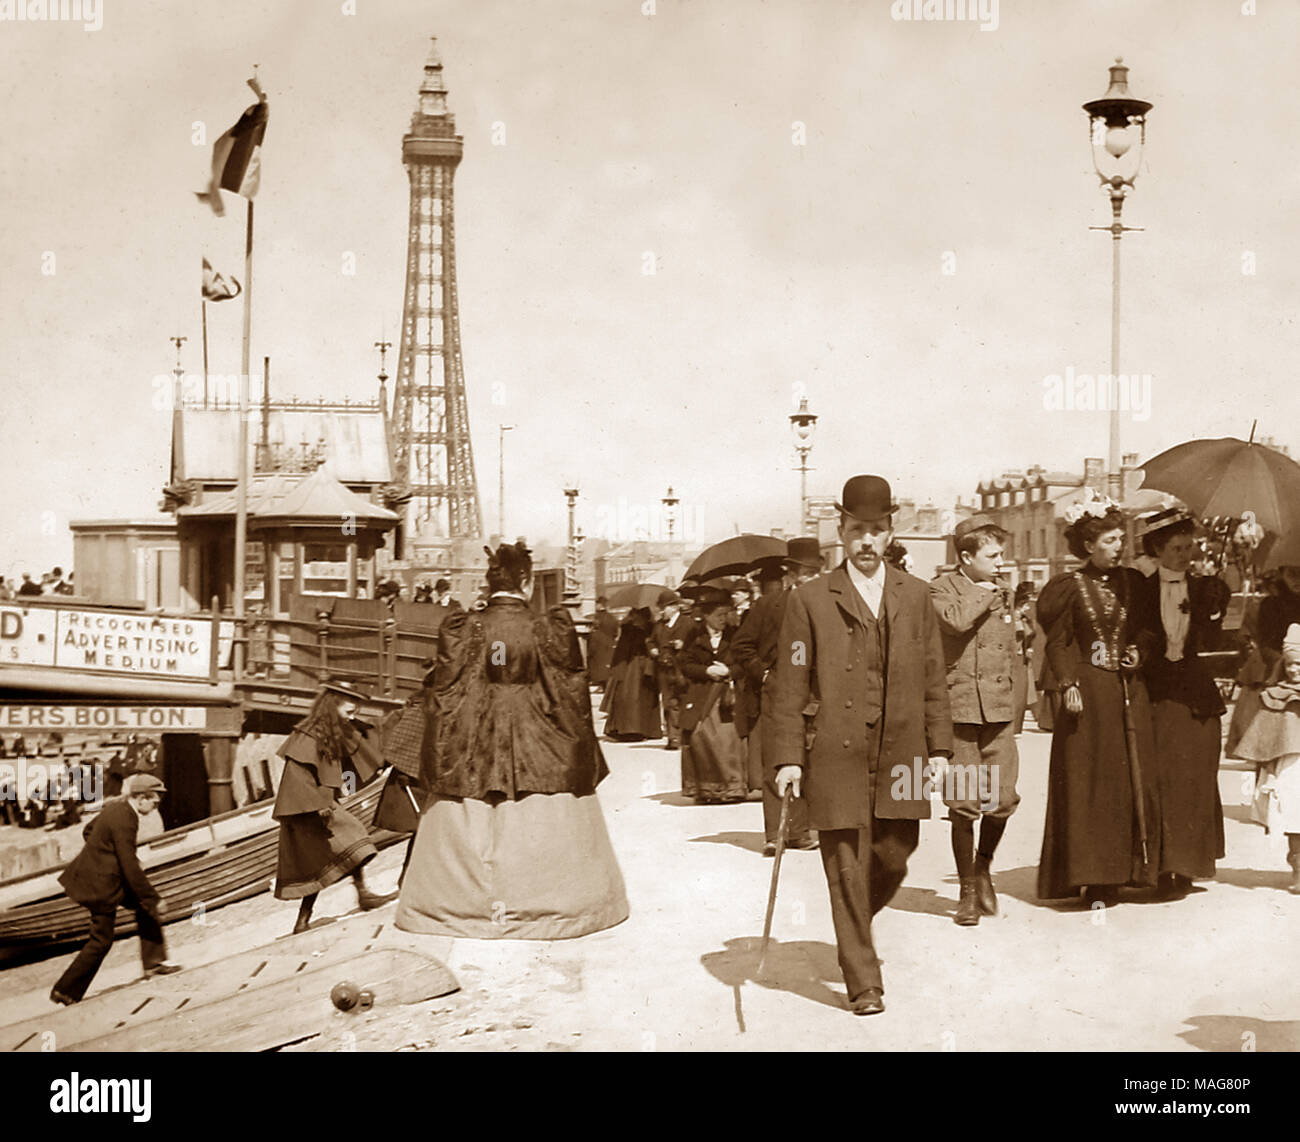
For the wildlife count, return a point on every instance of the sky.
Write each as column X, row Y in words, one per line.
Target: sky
column 887, row 216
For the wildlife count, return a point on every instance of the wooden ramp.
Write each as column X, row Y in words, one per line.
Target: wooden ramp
column 252, row 1001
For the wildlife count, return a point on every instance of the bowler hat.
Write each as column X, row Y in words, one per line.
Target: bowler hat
column 142, row 783
column 706, row 598
column 804, row 551
column 866, row 498
column 966, row 526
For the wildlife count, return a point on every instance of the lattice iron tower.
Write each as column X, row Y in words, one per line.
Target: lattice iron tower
column 432, row 447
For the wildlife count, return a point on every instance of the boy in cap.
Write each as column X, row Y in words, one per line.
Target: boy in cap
column 985, row 668
column 106, row 874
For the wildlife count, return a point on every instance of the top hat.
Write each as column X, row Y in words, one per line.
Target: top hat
column 142, row 783
column 804, row 551
column 442, row 585
column 966, row 526
column 866, row 498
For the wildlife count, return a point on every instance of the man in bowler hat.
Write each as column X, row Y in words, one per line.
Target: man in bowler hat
column 977, row 623
column 858, row 721
column 106, row 874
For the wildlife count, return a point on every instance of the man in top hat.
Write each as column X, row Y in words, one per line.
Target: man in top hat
column 977, row 623
column 755, row 651
column 106, row 874
column 858, row 717
column 329, row 754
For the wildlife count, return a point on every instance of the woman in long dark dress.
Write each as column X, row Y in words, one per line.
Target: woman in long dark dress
column 1096, row 634
column 713, row 756
column 512, row 842
column 1185, row 703
column 631, row 700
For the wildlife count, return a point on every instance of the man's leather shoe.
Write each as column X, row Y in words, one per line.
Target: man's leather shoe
column 984, row 894
column 804, row 844
column 164, row 968
column 968, row 909
column 56, row 996
column 769, row 849
column 870, row 1002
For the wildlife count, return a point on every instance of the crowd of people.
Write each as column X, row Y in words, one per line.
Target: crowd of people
column 50, row 583
column 840, row 699
column 57, row 788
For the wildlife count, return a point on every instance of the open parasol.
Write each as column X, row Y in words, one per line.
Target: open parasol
column 1230, row 479
column 639, row 595
column 734, row 556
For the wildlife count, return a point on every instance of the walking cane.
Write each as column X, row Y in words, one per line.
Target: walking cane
column 776, row 872
column 1134, row 766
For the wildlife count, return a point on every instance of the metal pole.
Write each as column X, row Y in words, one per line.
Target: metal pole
column 241, row 478
column 803, row 489
column 205, row 352
column 501, row 479
column 1115, row 478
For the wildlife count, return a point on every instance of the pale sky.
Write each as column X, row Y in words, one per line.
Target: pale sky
column 929, row 145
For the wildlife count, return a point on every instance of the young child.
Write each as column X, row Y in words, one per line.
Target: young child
column 1272, row 739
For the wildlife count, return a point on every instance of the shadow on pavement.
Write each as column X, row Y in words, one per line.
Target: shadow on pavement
column 800, row 967
column 1277, row 879
column 1240, row 1032
column 752, row 842
column 675, row 798
column 925, row 901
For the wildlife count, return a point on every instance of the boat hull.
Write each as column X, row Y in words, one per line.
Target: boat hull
column 201, row 866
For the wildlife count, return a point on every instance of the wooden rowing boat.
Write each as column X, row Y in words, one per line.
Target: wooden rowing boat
column 199, row 866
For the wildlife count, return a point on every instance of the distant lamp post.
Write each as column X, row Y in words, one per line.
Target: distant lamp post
column 501, row 479
column 670, row 503
column 571, row 553
column 804, row 424
column 1117, row 127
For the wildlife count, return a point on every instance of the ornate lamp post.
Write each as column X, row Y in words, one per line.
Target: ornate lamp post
column 1117, row 126
column 804, row 424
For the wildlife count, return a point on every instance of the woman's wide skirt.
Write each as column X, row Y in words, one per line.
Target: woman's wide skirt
column 538, row 868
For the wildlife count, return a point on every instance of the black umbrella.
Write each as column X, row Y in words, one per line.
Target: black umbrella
column 734, row 556
column 639, row 595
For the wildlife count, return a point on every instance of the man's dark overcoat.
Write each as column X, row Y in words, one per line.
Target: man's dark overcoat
column 817, row 700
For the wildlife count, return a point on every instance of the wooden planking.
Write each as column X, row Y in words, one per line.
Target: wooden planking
column 276, row 1012
column 329, row 948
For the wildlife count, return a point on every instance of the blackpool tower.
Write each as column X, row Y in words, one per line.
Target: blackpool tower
column 430, row 419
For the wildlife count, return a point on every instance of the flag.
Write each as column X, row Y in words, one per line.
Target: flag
column 218, row 287
column 236, row 156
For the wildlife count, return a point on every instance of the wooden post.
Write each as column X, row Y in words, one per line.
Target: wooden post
column 219, row 761
column 214, row 657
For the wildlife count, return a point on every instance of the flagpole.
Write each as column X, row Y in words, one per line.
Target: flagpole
column 241, row 481
column 205, row 352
